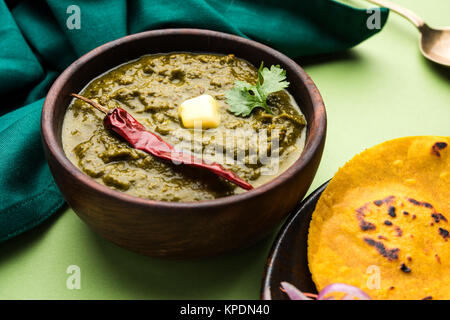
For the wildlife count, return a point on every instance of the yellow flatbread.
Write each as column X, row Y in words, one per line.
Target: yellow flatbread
column 382, row 224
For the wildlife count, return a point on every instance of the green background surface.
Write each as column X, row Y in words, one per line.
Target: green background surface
column 381, row 90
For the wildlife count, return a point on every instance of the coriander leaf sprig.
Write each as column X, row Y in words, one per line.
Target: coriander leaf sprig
column 244, row 97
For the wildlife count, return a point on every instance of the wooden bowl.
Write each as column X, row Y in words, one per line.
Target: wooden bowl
column 170, row 229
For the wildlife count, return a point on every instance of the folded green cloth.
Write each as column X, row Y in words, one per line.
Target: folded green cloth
column 36, row 45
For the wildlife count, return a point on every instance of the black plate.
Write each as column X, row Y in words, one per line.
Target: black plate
column 288, row 259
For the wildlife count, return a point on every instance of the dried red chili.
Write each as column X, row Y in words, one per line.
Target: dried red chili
column 123, row 123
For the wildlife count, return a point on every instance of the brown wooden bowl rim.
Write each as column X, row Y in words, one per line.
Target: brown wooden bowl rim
column 312, row 143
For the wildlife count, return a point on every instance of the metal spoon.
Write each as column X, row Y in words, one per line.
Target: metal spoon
column 434, row 43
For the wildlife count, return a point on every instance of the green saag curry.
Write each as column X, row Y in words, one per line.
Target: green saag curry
column 152, row 88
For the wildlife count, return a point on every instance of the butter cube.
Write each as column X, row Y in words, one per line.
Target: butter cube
column 202, row 110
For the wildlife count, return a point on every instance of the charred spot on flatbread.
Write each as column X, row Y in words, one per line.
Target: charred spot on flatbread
column 390, row 254
column 363, row 224
column 444, row 233
column 438, row 217
column 391, row 211
column 405, row 268
column 437, row 147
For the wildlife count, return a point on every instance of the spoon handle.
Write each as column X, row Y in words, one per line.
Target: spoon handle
column 408, row 14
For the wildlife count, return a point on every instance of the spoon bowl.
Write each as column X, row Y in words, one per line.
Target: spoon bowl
column 434, row 42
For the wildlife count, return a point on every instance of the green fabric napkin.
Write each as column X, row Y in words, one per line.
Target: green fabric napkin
column 36, row 45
